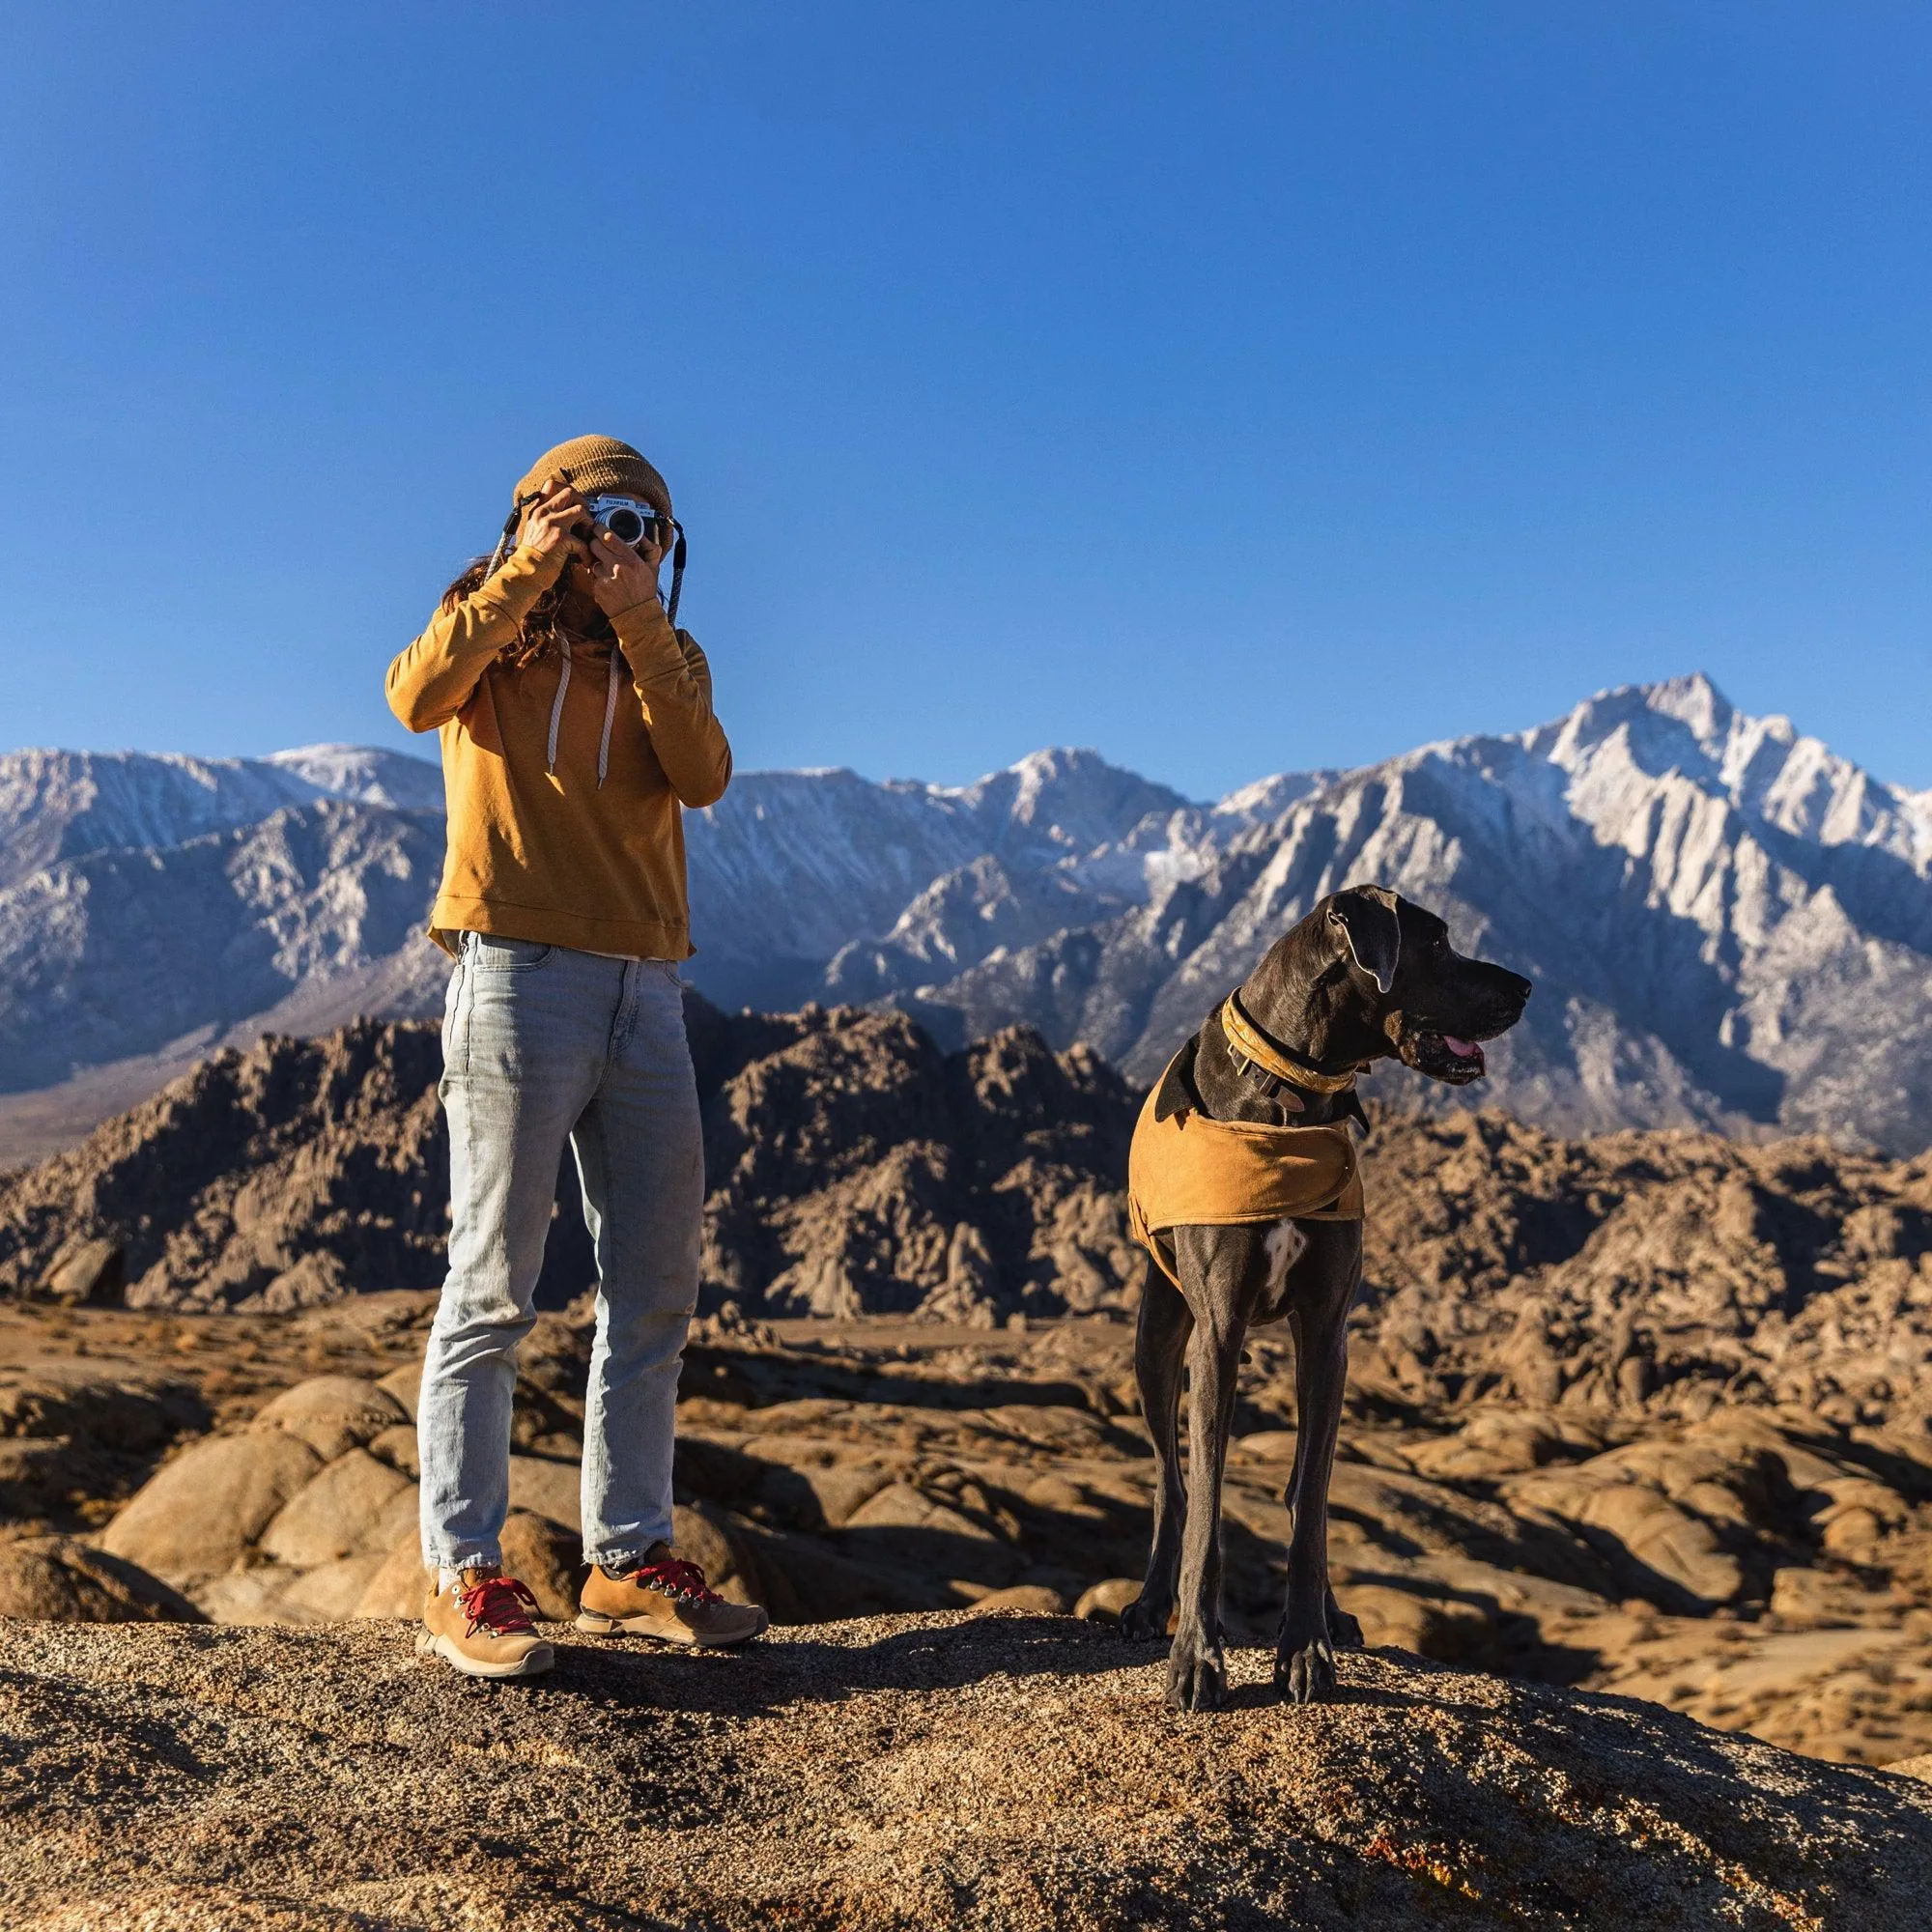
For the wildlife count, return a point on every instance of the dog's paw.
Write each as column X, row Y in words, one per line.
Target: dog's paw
column 1144, row 1622
column 1197, row 1678
column 1307, row 1676
column 1345, row 1633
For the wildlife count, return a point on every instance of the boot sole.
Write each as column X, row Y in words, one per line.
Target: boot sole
column 594, row 1622
column 532, row 1665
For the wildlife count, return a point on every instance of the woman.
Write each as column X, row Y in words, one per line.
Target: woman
column 575, row 724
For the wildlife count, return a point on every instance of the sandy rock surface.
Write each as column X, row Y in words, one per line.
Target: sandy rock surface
column 1004, row 1771
column 65, row 1579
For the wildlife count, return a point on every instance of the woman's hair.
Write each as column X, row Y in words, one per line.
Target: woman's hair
column 540, row 631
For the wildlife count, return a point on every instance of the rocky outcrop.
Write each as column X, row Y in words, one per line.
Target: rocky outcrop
column 62, row 1579
column 77, row 1438
column 1759, row 1568
column 289, row 1174
column 1006, row 1771
column 1662, row 1273
column 852, row 1166
column 309, row 1513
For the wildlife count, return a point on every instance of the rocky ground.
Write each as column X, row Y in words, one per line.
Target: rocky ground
column 1757, row 1568
column 1004, row 1771
column 1644, row 1413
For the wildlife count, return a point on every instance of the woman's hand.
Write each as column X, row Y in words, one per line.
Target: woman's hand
column 549, row 523
column 621, row 578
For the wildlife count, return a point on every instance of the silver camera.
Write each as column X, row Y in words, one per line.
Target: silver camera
column 628, row 519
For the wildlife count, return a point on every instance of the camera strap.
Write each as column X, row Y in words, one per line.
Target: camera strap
column 503, row 542
column 676, row 572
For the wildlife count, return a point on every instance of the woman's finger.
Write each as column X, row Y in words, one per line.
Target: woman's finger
column 553, row 530
column 645, row 552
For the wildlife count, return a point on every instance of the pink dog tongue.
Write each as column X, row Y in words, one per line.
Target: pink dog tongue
column 1463, row 1049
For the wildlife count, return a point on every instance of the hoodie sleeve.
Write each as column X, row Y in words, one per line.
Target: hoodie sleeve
column 430, row 682
column 673, row 685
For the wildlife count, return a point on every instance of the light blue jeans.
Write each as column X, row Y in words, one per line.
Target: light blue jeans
column 541, row 1045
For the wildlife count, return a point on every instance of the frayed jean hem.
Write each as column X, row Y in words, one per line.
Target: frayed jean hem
column 476, row 1558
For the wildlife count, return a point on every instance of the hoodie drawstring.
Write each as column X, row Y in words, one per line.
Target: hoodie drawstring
column 609, row 718
column 609, row 715
column 557, row 709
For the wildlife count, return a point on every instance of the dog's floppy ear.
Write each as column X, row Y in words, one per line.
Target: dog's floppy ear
column 1367, row 917
column 1176, row 1094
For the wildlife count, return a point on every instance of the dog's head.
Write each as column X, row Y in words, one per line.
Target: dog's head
column 1385, row 981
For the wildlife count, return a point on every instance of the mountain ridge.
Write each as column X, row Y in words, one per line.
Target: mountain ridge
column 1730, row 925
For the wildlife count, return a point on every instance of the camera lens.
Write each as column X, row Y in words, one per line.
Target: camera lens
column 626, row 525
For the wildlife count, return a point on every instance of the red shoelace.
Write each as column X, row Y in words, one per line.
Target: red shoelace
column 671, row 1576
column 499, row 1605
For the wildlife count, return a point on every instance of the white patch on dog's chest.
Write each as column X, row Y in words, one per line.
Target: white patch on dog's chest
column 1284, row 1244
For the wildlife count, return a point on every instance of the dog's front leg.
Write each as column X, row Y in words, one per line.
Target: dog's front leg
column 1345, row 1632
column 1304, row 1667
column 1197, row 1673
column 1160, row 1356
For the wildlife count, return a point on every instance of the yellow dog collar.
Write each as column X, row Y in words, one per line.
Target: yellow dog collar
column 1252, row 1044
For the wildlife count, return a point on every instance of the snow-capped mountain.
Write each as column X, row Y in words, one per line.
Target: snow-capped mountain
column 1728, row 924
column 61, row 804
column 789, row 870
column 365, row 772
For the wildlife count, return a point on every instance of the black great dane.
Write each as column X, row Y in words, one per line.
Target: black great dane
column 1366, row 976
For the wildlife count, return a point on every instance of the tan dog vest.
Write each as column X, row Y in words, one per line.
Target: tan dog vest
column 1191, row 1171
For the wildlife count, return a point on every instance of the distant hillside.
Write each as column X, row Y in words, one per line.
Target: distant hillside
column 1729, row 926
column 853, row 1168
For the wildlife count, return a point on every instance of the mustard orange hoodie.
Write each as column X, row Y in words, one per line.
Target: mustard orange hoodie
column 565, row 780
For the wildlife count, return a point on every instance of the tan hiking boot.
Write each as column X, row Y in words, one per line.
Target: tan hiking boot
column 481, row 1625
column 666, row 1599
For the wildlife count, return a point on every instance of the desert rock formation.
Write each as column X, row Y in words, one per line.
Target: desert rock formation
column 1645, row 1413
column 1757, row 1568
column 854, row 1168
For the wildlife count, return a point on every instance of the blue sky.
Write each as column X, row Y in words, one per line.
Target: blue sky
column 1232, row 389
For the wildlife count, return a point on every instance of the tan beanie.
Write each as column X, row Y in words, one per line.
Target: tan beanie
column 596, row 465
